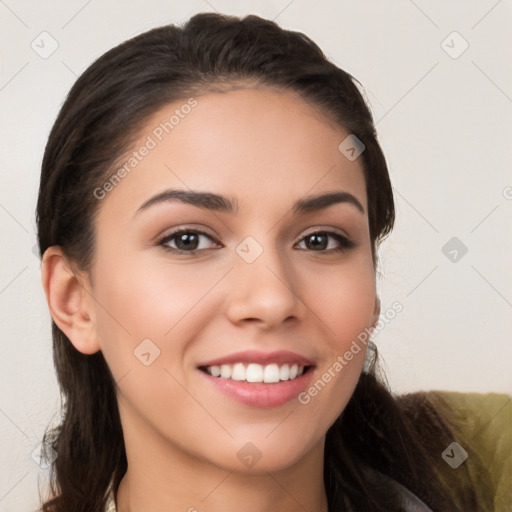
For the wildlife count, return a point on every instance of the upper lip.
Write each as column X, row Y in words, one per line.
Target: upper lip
column 263, row 358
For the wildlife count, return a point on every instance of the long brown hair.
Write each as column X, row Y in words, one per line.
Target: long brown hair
column 97, row 123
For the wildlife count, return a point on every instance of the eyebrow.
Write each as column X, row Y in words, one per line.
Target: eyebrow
column 219, row 203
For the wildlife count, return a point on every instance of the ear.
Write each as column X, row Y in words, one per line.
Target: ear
column 70, row 300
column 376, row 311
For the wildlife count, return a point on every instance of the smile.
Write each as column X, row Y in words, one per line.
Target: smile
column 259, row 379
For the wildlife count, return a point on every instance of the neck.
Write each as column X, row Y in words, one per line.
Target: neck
column 255, row 493
column 161, row 477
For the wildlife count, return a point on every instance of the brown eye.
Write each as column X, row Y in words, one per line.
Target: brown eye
column 186, row 241
column 319, row 241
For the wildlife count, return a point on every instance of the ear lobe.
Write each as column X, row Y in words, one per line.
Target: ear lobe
column 70, row 304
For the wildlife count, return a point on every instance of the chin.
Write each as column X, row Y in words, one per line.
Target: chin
column 268, row 455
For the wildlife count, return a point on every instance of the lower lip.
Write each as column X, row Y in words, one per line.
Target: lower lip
column 259, row 394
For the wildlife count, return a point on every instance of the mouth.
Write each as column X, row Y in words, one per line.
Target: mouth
column 259, row 379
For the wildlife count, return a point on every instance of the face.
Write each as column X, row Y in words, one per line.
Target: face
column 273, row 283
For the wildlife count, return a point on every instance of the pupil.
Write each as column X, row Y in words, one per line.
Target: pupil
column 316, row 242
column 188, row 241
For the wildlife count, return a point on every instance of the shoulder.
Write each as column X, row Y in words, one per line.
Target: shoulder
column 480, row 451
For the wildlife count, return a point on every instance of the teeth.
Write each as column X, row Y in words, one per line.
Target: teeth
column 270, row 373
column 238, row 372
column 254, row 373
column 225, row 371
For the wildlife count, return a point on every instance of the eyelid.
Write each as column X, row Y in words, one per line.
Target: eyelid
column 328, row 230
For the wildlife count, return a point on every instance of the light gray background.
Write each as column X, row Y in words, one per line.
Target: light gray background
column 445, row 127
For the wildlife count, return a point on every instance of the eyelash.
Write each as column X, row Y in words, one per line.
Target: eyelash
column 344, row 242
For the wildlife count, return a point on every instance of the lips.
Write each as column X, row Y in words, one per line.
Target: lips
column 259, row 379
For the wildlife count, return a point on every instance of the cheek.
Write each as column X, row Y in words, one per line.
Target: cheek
column 140, row 299
column 345, row 301
column 144, row 317
column 140, row 293
column 346, row 305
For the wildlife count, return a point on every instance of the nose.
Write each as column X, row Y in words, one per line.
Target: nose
column 265, row 291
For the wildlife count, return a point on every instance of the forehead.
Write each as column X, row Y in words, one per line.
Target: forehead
column 255, row 144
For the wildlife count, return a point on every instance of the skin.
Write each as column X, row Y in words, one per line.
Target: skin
column 267, row 149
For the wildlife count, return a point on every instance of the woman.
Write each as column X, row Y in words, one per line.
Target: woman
column 212, row 199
